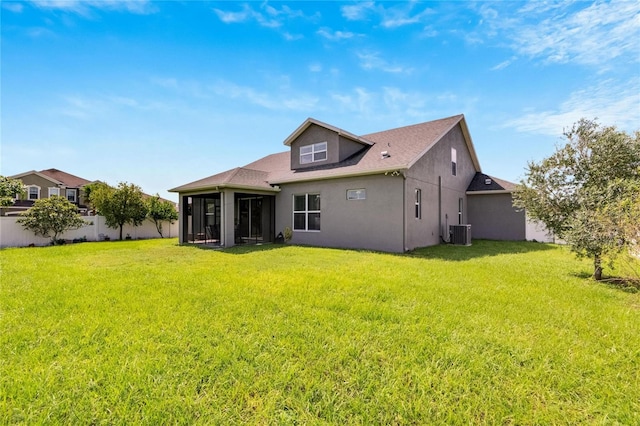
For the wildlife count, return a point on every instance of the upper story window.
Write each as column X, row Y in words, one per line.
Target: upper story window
column 33, row 192
column 313, row 153
column 454, row 162
column 71, row 195
column 54, row 191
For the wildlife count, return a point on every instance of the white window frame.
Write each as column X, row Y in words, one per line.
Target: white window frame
column 418, row 203
column 306, row 212
column 72, row 191
column 28, row 191
column 356, row 194
column 454, row 162
column 311, row 153
column 53, row 190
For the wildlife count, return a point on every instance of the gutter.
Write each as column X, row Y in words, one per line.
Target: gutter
column 400, row 170
column 494, row 191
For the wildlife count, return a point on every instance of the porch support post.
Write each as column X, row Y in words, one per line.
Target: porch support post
column 228, row 218
column 183, row 218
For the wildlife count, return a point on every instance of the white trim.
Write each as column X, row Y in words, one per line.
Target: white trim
column 306, row 212
column 51, row 193
column 28, row 191
column 309, row 121
column 313, row 149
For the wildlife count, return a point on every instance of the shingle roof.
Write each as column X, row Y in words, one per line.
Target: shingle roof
column 483, row 182
column 240, row 177
column 404, row 145
column 65, row 178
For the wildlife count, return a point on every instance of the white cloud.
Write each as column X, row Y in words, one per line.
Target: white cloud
column 335, row 35
column 504, row 64
column 279, row 100
column 357, row 11
column 564, row 32
column 609, row 101
column 85, row 7
column 12, row 6
column 267, row 16
column 315, row 67
column 373, row 61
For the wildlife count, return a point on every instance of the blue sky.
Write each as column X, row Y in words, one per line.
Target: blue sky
column 163, row 93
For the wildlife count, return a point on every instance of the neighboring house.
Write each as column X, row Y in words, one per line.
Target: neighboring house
column 393, row 190
column 44, row 184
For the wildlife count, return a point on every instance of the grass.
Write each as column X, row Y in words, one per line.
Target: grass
column 151, row 332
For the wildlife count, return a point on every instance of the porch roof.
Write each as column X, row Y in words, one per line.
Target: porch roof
column 239, row 178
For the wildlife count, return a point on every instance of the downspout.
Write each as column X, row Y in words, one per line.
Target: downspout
column 440, row 208
column 404, row 212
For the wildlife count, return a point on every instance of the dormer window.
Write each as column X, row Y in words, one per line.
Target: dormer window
column 313, row 153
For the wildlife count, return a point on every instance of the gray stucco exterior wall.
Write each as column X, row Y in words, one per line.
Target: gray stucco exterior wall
column 375, row 223
column 338, row 147
column 493, row 217
column 441, row 191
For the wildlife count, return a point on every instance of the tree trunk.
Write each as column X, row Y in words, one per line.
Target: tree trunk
column 597, row 268
column 120, row 232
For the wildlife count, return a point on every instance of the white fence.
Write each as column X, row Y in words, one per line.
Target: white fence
column 12, row 234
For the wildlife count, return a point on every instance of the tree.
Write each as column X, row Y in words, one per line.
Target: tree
column 587, row 191
column 159, row 211
column 9, row 189
column 51, row 217
column 119, row 206
column 89, row 188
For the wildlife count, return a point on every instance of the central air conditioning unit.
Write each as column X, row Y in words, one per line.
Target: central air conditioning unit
column 460, row 234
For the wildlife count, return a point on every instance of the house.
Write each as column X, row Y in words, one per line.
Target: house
column 44, row 184
column 493, row 216
column 392, row 191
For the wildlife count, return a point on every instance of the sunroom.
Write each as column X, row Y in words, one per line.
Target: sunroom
column 235, row 207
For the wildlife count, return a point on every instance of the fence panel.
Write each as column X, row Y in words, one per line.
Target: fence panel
column 12, row 234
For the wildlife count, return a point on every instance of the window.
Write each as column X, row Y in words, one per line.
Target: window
column 454, row 162
column 460, row 206
column 418, row 204
column 313, row 153
column 54, row 191
column 306, row 212
column 33, row 192
column 71, row 195
column 356, row 194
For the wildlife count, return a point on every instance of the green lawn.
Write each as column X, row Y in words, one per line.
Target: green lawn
column 151, row 332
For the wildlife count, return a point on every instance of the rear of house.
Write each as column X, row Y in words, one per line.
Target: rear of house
column 392, row 191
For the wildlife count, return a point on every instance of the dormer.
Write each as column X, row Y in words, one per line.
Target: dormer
column 315, row 143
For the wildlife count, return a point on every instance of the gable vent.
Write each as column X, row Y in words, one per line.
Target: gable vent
column 487, row 181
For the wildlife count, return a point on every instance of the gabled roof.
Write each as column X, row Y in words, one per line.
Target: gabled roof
column 239, row 178
column 67, row 179
column 485, row 184
column 309, row 121
column 404, row 146
column 56, row 176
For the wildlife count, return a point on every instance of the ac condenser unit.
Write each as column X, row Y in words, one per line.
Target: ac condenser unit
column 460, row 234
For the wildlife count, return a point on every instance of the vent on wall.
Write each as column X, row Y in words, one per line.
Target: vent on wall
column 487, row 181
column 460, row 234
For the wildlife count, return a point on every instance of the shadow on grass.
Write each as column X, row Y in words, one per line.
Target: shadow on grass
column 479, row 248
column 238, row 249
column 626, row 284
